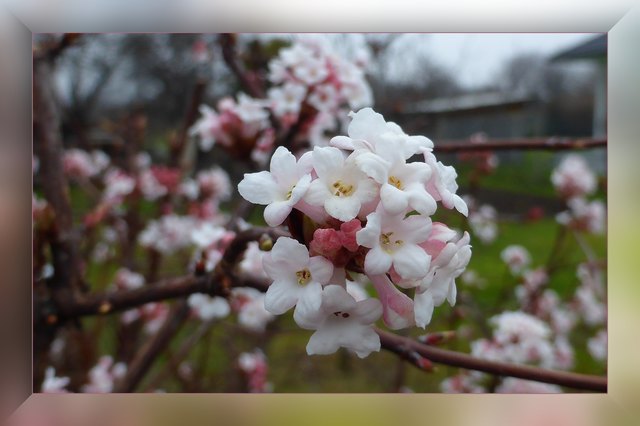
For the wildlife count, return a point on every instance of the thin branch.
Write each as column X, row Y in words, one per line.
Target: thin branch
column 215, row 284
column 457, row 359
column 143, row 360
column 228, row 45
column 546, row 144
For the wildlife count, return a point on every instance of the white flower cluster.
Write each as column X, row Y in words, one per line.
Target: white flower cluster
column 516, row 257
column 369, row 210
column 590, row 295
column 103, row 375
column 574, row 181
column 255, row 368
column 311, row 85
column 482, row 220
column 81, row 164
column 517, row 338
column 573, row 177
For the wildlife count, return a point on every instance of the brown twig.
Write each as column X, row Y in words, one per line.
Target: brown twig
column 66, row 282
column 143, row 360
column 456, row 359
column 228, row 45
column 547, row 144
column 214, row 284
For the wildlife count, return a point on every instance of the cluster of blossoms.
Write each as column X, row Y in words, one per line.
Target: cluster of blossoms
column 311, row 86
column 590, row 295
column 574, row 181
column 517, row 338
column 102, row 378
column 365, row 209
column 516, row 257
column 255, row 369
column 482, row 220
column 152, row 314
column 52, row 383
column 83, row 165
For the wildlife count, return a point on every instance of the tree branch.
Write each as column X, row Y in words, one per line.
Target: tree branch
column 547, row 144
column 148, row 353
column 214, row 284
column 457, row 359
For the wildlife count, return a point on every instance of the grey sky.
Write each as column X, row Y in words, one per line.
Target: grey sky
column 476, row 59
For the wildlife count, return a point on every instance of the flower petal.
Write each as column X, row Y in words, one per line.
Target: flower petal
column 423, row 307
column 393, row 200
column 258, row 188
column 276, row 212
column 411, row 262
column 280, row 298
column 368, row 311
column 326, row 160
column 307, row 312
column 317, row 193
column 321, row 269
column 290, row 252
column 343, row 208
column 283, row 165
column 373, row 166
column 377, row 261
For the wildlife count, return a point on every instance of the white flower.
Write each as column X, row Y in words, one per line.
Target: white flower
column 128, row 280
column 207, row 235
column 341, row 187
column 402, row 183
column 206, row 127
column 597, row 345
column 311, row 71
column 584, row 215
column 214, row 183
column 103, row 375
column 593, row 311
column 439, row 283
column 208, row 308
column 168, row 234
column 287, row 99
column 393, row 240
column 151, row 188
column 249, row 303
column 251, row 263
column 281, row 188
column 483, row 223
column 343, row 322
column 368, row 128
column 251, row 111
column 324, row 98
column 443, row 186
column 298, row 279
column 516, row 257
column 53, row 384
column 117, row 185
column 573, row 177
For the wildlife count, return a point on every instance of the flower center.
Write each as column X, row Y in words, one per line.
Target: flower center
column 304, row 276
column 388, row 243
column 341, row 314
column 395, row 182
column 290, row 192
column 341, row 189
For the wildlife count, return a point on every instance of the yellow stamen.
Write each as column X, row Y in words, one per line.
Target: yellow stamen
column 342, row 189
column 304, row 276
column 395, row 182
